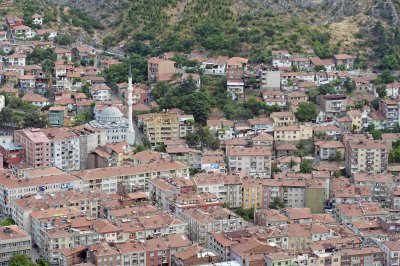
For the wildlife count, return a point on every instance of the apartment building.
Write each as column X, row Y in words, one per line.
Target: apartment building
column 179, row 203
column 270, row 78
column 36, row 145
column 334, row 104
column 293, row 133
column 160, row 127
column 364, row 155
column 100, row 92
column 358, row 211
column 14, row 188
column 261, row 124
column 381, row 185
column 65, row 148
column 252, row 193
column 89, row 139
column 235, row 69
column 233, row 190
column 391, row 251
column 362, row 256
column 217, row 219
column 344, row 60
column 283, row 118
column 107, row 179
column 159, row 190
column 299, row 238
column 255, row 161
column 395, row 198
column 210, row 183
column 88, row 202
column 391, row 110
column 356, row 120
column 327, row 150
column 160, row 69
column 13, row 240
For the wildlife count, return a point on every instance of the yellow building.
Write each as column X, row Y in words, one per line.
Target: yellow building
column 159, row 127
column 283, row 118
column 356, row 119
column 252, row 193
column 299, row 239
column 293, row 133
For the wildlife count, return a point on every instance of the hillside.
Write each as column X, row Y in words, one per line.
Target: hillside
column 244, row 27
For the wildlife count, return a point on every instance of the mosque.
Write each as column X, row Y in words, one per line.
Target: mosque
column 112, row 120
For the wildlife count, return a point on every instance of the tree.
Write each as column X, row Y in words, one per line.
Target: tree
column 82, row 118
column 381, row 90
column 198, row 104
column 349, row 85
column 306, row 166
column 319, row 68
column 64, row 39
column 203, row 137
column 42, row 262
column 21, row 260
column 337, row 157
column 7, row 221
column 306, row 111
column 276, row 203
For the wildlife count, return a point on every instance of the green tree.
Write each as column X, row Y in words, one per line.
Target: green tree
column 202, row 138
column 349, row 85
column 198, row 104
column 82, row 118
column 276, row 203
column 64, row 39
column 381, row 90
column 306, row 111
column 306, row 166
column 21, row 260
column 7, row 221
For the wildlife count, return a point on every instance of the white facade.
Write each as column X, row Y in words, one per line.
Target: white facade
column 66, row 154
column 100, row 95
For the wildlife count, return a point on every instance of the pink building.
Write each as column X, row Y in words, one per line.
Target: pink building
column 36, row 145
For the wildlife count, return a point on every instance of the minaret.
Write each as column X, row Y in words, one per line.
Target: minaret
column 130, row 136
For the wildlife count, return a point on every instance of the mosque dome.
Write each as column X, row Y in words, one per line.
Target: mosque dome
column 110, row 114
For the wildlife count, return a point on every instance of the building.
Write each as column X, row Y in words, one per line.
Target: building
column 334, row 104
column 344, row 61
column 255, row 161
column 329, row 150
column 281, row 58
column 65, row 148
column 89, row 140
column 12, row 187
column 283, row 118
column 13, row 240
column 270, row 78
column 363, row 256
column 293, row 133
column 160, row 69
column 12, row 152
column 113, row 122
column 391, row 251
column 369, row 156
column 216, row 219
column 100, row 92
column 36, row 145
column 107, row 179
column 235, row 70
column 57, row 116
column 390, row 108
column 160, row 127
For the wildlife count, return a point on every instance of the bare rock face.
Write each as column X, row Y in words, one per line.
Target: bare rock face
column 386, row 9
column 94, row 8
column 333, row 9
